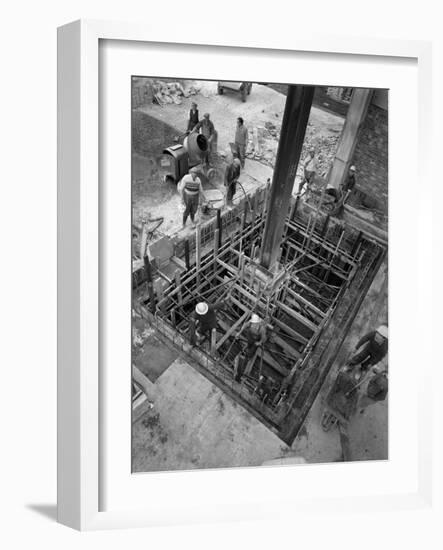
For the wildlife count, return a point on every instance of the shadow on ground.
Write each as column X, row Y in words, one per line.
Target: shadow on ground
column 48, row 511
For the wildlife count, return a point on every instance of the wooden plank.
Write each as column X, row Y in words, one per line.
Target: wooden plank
column 230, row 330
column 326, row 244
column 283, row 344
column 307, row 303
column 295, row 335
column 274, row 364
column 213, row 341
column 187, row 255
column 295, row 315
column 148, row 273
column 317, row 258
column 198, row 252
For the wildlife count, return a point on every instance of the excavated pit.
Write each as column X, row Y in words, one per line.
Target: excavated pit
column 308, row 301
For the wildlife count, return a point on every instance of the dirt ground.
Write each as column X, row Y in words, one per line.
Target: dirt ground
column 155, row 126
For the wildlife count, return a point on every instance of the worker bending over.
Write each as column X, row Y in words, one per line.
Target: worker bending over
column 191, row 189
column 374, row 347
column 231, row 177
column 241, row 140
column 349, row 183
column 254, row 335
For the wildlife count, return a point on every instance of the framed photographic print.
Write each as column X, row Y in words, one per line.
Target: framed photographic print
column 228, row 218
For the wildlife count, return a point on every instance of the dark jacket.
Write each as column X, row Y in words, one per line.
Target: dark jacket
column 193, row 119
column 207, row 128
column 376, row 349
column 208, row 321
column 231, row 174
column 349, row 183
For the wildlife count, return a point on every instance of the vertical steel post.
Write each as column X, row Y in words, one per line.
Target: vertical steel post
column 295, row 120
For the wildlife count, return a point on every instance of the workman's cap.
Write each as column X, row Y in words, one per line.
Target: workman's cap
column 201, row 308
column 352, row 168
column 206, row 115
column 383, row 330
column 255, row 318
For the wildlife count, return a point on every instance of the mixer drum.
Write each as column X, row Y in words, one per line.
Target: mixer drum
column 196, row 146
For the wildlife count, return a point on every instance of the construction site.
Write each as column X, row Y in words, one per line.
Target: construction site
column 294, row 243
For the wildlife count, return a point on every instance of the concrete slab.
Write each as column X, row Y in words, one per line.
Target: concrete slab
column 195, row 425
column 153, row 358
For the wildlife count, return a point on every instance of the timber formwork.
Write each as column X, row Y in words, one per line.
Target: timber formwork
column 308, row 301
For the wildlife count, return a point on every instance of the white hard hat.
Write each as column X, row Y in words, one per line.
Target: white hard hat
column 383, row 330
column 352, row 168
column 255, row 318
column 201, row 308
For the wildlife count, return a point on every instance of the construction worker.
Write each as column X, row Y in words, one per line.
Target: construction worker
column 205, row 319
column 309, row 170
column 332, row 191
column 193, row 117
column 207, row 129
column 372, row 348
column 349, row 182
column 232, row 173
column 241, row 140
column 255, row 335
column 191, row 190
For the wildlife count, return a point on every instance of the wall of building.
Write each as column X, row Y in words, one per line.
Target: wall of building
column 371, row 156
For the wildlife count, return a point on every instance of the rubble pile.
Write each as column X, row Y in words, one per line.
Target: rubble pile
column 171, row 92
column 148, row 90
column 263, row 144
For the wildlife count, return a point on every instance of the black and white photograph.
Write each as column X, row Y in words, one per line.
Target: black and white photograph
column 259, row 274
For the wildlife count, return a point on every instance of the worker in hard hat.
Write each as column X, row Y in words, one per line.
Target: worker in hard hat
column 232, row 173
column 191, row 191
column 349, row 183
column 372, row 348
column 254, row 336
column 205, row 319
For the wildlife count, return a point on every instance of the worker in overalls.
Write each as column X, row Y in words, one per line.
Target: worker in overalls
column 191, row 190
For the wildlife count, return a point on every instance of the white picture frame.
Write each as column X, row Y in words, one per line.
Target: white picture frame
column 80, row 412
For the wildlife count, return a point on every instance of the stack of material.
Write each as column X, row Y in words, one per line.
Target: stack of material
column 171, row 92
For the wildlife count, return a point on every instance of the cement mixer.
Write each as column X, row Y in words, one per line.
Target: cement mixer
column 178, row 159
